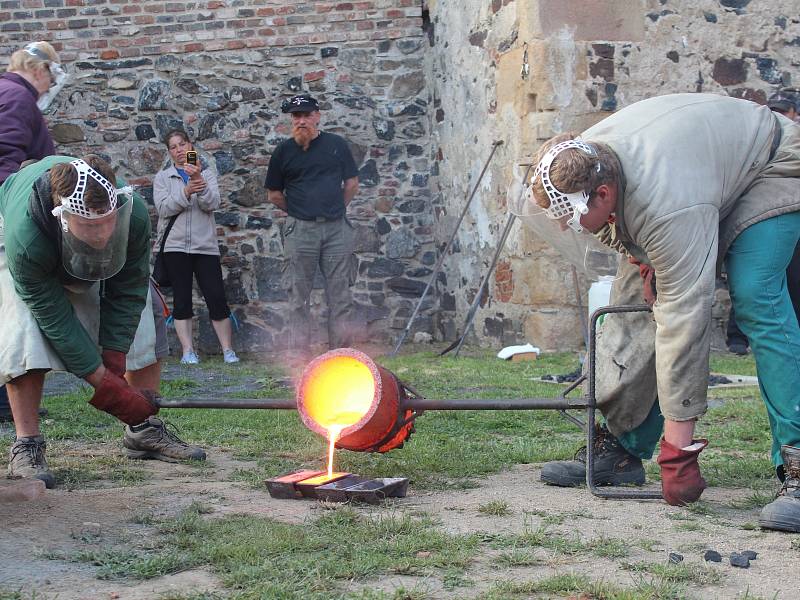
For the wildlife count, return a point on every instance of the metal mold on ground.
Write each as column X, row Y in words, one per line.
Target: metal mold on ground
column 339, row 487
column 284, row 487
column 308, row 487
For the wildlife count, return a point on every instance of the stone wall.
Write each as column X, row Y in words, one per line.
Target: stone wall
column 219, row 69
column 524, row 71
column 421, row 89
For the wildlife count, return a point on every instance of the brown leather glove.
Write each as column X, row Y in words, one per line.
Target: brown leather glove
column 681, row 482
column 114, row 360
column 117, row 398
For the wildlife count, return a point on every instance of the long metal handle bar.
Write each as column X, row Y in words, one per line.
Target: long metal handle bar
column 443, row 255
column 606, row 492
column 560, row 403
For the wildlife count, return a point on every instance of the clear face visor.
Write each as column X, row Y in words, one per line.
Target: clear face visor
column 581, row 249
column 94, row 246
column 562, row 204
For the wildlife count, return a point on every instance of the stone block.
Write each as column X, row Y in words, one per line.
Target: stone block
column 67, row 133
column 589, row 20
column 554, row 329
column 541, row 279
column 21, row 490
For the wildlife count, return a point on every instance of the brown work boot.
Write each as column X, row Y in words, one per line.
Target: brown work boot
column 26, row 459
column 152, row 439
column 783, row 513
column 613, row 465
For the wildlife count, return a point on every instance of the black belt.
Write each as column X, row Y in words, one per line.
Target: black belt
column 319, row 219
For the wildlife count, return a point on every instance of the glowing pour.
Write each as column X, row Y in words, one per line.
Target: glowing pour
column 345, row 387
column 333, row 435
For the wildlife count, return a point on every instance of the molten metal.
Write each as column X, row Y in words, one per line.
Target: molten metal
column 346, row 389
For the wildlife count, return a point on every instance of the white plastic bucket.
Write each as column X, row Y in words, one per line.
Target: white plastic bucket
column 600, row 293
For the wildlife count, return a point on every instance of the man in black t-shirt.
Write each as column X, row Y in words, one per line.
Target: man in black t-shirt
column 313, row 177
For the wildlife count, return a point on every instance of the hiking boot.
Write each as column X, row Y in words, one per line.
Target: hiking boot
column 152, row 439
column 783, row 513
column 26, row 459
column 613, row 465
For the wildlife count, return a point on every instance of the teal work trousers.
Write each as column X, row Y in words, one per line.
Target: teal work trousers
column 756, row 264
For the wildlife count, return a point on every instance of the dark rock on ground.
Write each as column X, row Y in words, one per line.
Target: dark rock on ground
column 738, row 560
column 712, row 556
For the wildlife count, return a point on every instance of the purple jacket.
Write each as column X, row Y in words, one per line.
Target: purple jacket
column 23, row 130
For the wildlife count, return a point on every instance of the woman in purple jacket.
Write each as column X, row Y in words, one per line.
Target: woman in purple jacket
column 23, row 130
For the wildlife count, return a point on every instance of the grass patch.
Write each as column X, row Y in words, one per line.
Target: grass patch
column 580, row 586
column 332, row 555
column 518, row 558
column 544, row 537
column 264, row 557
column 755, row 499
column 680, row 573
column 495, row 508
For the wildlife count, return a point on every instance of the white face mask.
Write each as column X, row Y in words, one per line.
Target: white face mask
column 60, row 78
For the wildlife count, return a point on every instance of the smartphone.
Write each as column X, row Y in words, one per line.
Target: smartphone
column 191, row 157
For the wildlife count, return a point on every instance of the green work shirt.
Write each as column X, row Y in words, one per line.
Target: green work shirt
column 34, row 262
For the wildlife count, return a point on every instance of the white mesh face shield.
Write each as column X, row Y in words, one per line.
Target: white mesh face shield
column 561, row 204
column 93, row 243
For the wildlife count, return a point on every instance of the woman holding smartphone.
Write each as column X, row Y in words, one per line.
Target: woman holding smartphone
column 186, row 194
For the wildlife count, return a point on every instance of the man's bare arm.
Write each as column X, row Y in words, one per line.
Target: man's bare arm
column 277, row 198
column 350, row 189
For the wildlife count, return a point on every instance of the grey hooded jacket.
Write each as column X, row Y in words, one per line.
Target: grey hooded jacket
column 194, row 231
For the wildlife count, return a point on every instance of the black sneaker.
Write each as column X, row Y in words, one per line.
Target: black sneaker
column 613, row 465
column 783, row 513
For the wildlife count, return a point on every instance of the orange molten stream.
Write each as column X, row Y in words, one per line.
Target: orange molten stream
column 333, row 435
column 338, row 394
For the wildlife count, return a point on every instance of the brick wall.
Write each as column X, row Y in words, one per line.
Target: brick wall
column 220, row 69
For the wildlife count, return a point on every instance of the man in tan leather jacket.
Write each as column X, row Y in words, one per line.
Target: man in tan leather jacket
column 685, row 182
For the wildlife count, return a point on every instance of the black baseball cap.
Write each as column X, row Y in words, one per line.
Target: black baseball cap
column 300, row 103
column 783, row 101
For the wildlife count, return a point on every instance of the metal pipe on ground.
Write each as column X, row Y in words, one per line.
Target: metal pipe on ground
column 476, row 301
column 484, row 282
column 443, row 255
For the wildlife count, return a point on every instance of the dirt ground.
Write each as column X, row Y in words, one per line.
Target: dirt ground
column 69, row 521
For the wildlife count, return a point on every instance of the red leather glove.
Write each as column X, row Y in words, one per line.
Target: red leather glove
column 648, row 274
column 117, row 398
column 681, row 482
column 114, row 360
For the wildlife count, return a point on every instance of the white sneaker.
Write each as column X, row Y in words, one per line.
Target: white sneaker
column 229, row 356
column 190, row 358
